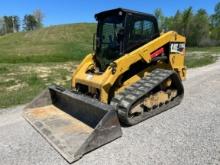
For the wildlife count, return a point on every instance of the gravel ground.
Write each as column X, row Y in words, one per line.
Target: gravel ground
column 187, row 134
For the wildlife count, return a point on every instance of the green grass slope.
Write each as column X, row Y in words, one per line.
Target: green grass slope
column 31, row 61
column 52, row 44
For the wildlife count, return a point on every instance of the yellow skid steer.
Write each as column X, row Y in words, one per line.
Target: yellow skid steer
column 134, row 73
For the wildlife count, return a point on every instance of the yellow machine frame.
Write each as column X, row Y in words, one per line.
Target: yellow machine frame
column 106, row 80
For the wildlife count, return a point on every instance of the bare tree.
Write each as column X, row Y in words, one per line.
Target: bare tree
column 2, row 25
column 160, row 18
column 38, row 14
column 16, row 23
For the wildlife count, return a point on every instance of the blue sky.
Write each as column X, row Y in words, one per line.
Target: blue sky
column 72, row 11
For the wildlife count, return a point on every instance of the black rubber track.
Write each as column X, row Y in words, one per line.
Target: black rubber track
column 138, row 91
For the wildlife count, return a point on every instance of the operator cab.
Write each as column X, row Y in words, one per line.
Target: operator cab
column 120, row 31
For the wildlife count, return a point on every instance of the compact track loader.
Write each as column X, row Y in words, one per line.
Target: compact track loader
column 134, row 73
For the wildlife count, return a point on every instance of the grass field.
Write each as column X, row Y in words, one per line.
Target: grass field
column 29, row 62
column 53, row 44
column 197, row 57
column 20, row 83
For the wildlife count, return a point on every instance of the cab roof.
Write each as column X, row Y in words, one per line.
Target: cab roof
column 113, row 11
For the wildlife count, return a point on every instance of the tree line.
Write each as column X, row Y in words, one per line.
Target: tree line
column 13, row 24
column 199, row 28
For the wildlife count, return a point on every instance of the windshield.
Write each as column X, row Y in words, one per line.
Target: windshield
column 109, row 38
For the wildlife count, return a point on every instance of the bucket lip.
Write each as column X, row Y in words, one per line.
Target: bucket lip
column 67, row 157
column 81, row 151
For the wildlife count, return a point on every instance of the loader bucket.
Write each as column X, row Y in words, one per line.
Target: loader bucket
column 73, row 124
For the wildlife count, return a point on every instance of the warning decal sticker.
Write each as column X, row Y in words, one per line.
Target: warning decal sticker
column 177, row 48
